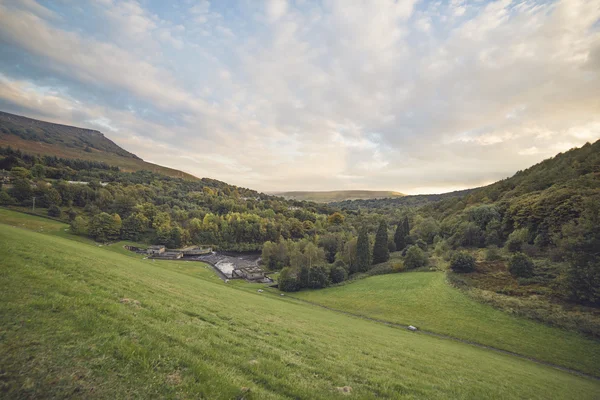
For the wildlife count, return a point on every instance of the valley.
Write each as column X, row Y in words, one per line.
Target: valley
column 88, row 321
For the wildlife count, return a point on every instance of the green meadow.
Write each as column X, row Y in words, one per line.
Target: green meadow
column 82, row 321
column 426, row 300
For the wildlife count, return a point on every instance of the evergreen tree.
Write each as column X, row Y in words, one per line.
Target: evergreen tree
column 363, row 253
column 402, row 231
column 381, row 252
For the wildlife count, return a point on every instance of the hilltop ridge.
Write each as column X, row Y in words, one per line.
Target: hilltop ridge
column 46, row 138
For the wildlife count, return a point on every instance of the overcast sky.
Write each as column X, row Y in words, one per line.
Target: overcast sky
column 413, row 96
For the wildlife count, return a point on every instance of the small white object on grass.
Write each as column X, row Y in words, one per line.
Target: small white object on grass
column 412, row 328
column 282, row 294
column 260, row 290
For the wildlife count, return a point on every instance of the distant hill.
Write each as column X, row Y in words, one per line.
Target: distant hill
column 45, row 138
column 408, row 200
column 337, row 195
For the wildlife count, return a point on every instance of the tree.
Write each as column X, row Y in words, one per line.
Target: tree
column 79, row 226
column 175, row 238
column 331, row 244
column 462, row 262
column 338, row 274
column 520, row 266
column 336, row 218
column 54, row 211
column 287, row 280
column 363, row 252
column 38, row 171
column 415, row 258
column 517, row 239
column 104, row 227
column 581, row 242
column 319, row 277
column 21, row 190
column 381, row 252
column 400, row 235
column 426, row 229
column 348, row 255
column 134, row 226
column 52, row 197
column 20, row 173
column 5, row 198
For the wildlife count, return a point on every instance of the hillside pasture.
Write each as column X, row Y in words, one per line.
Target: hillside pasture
column 426, row 300
column 81, row 321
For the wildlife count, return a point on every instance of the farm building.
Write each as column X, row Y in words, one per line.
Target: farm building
column 174, row 255
column 156, row 250
column 195, row 251
column 250, row 273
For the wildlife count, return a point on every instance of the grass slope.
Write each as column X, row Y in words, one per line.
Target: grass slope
column 425, row 299
column 39, row 137
column 66, row 331
column 338, row 195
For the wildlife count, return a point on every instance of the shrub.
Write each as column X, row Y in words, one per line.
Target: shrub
column 462, row 262
column 521, row 266
column 6, row 199
column 72, row 214
column 415, row 258
column 54, row 211
column 338, row 274
column 422, row 244
column 493, row 254
column 398, row 267
column 441, row 248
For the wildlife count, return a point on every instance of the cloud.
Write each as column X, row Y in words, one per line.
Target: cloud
column 405, row 95
column 276, row 9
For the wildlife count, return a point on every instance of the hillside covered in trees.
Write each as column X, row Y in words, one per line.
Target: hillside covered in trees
column 539, row 227
column 45, row 138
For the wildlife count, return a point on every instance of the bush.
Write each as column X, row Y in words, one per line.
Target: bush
column 462, row 262
column 6, row 199
column 441, row 248
column 415, row 258
column 493, row 254
column 520, row 266
column 422, row 244
column 338, row 274
column 54, row 211
column 398, row 266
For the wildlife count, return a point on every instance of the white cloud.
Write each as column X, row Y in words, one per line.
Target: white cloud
column 276, row 9
column 333, row 94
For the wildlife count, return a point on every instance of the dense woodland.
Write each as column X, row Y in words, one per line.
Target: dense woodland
column 544, row 222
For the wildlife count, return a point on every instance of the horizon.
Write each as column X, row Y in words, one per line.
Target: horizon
column 416, row 97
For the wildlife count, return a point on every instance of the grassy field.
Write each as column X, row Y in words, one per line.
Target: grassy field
column 83, row 321
column 425, row 299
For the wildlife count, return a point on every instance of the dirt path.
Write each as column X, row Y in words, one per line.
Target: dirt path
column 448, row 337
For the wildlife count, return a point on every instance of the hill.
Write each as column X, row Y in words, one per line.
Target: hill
column 45, row 138
column 337, row 195
column 425, row 299
column 84, row 321
column 403, row 201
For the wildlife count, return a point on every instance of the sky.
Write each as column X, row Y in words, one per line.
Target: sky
column 413, row 96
